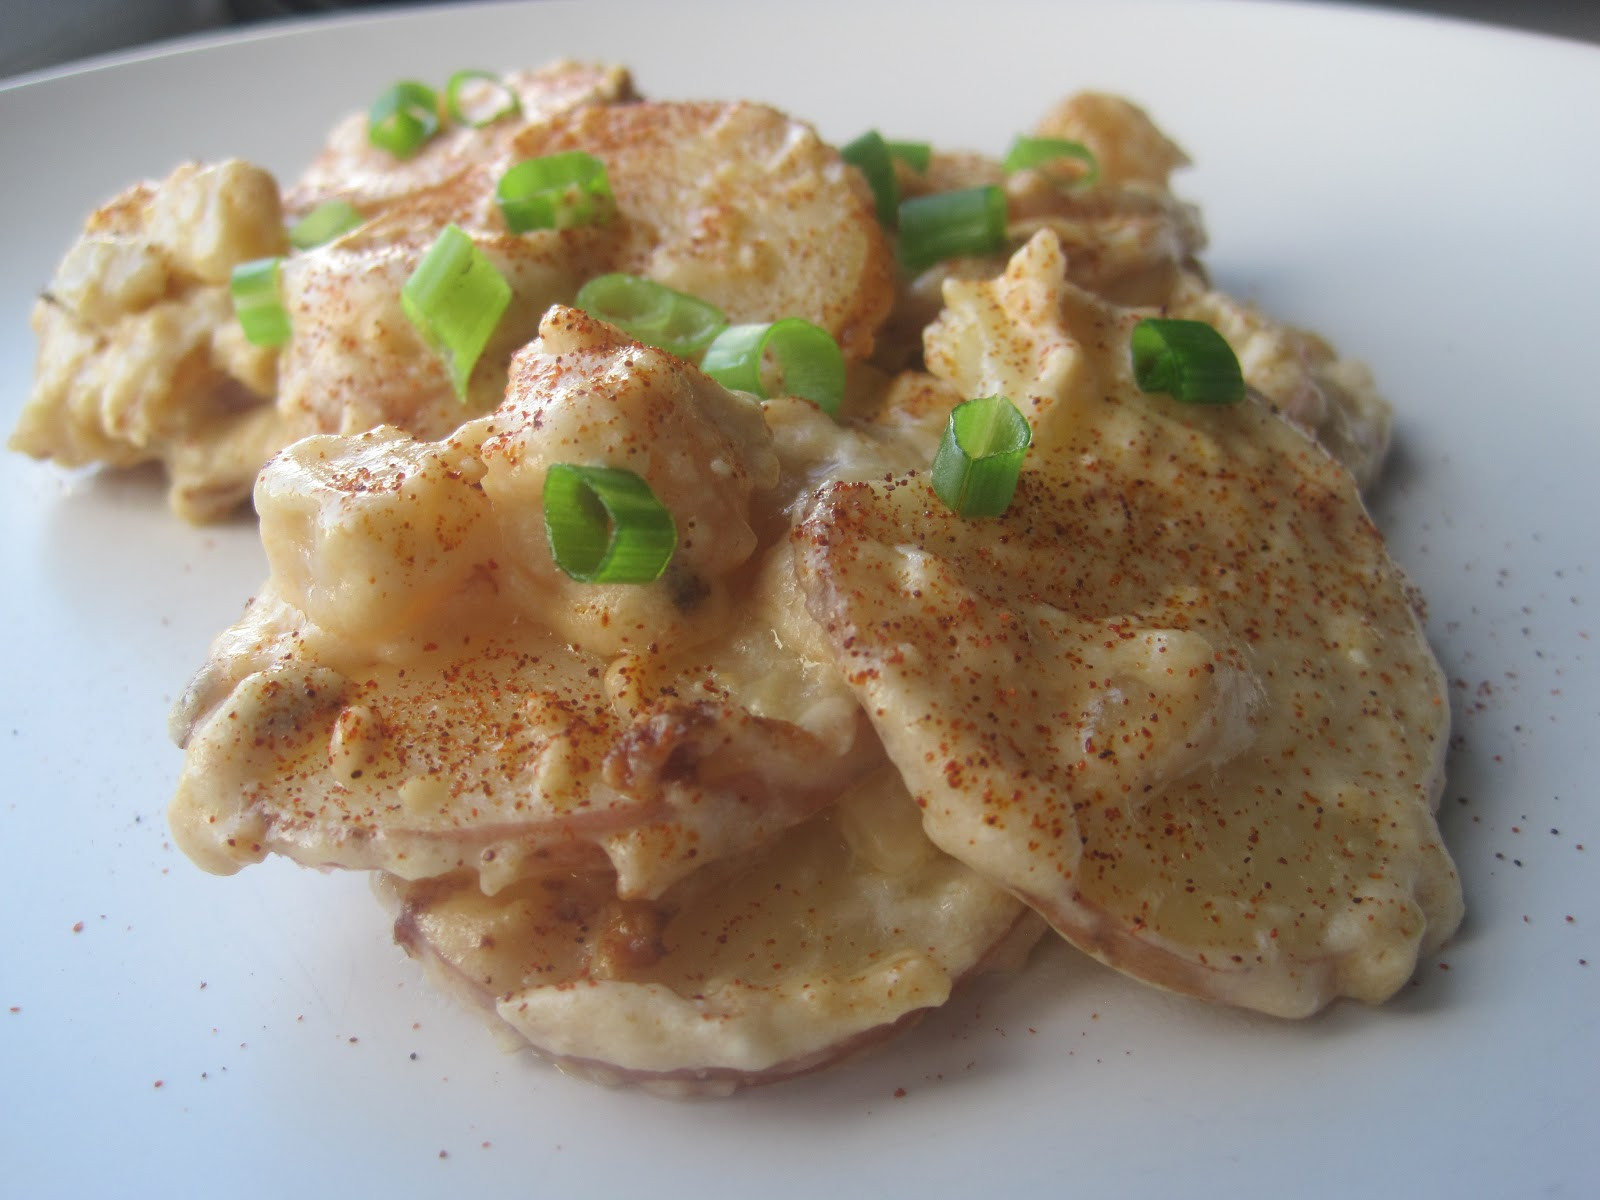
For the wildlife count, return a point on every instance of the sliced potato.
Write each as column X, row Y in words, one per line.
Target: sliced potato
column 830, row 939
column 419, row 690
column 1176, row 698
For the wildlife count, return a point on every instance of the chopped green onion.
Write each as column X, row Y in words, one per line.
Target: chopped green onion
column 1027, row 152
column 790, row 357
column 946, row 224
column 979, row 459
column 555, row 192
column 455, row 298
column 1189, row 360
column 403, row 118
column 916, row 155
column 652, row 313
column 324, row 223
column 605, row 525
column 257, row 304
column 510, row 105
column 869, row 154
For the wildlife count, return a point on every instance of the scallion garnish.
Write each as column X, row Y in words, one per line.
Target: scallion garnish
column 324, row 223
column 257, row 304
column 946, row 224
column 555, row 192
column 1189, row 360
column 403, row 118
column 1028, row 152
column 502, row 102
column 979, row 458
column 869, row 154
column 916, row 155
column 652, row 313
column 455, row 298
column 605, row 525
column 791, row 357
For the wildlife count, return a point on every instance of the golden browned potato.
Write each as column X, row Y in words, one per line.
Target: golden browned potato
column 735, row 203
column 742, row 206
column 351, row 169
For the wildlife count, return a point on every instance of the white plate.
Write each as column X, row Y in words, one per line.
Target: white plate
column 1421, row 191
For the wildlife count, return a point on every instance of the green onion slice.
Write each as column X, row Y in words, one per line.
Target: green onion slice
column 652, row 313
column 1027, row 152
column 945, row 224
column 455, row 298
column 790, row 357
column 324, row 223
column 916, row 155
column 555, row 192
column 1189, row 360
column 501, row 102
column 869, row 154
column 979, row 458
column 605, row 525
column 403, row 118
column 257, row 304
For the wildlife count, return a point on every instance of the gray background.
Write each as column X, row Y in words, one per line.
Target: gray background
column 38, row 34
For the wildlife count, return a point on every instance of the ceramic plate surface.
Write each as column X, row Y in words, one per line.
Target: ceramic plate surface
column 1422, row 192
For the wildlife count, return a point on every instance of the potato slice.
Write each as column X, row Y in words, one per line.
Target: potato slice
column 836, row 936
column 740, row 205
column 736, row 203
column 419, row 690
column 350, row 168
column 1177, row 698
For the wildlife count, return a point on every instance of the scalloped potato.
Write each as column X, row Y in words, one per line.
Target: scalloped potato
column 756, row 813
